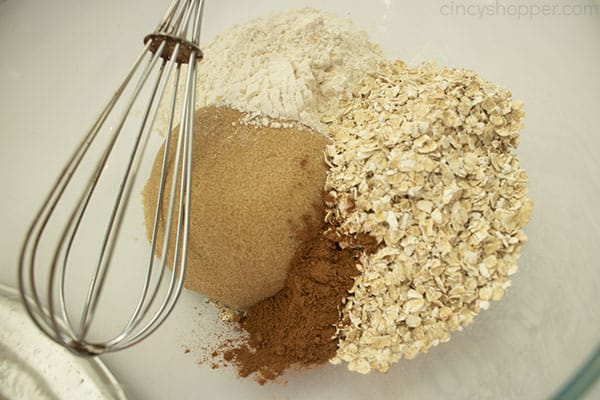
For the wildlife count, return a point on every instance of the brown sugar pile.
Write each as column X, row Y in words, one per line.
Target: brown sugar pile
column 254, row 189
column 297, row 326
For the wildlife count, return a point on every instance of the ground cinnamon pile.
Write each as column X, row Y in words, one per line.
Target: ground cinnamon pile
column 296, row 327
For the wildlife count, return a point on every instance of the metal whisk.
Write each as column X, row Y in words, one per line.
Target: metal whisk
column 171, row 52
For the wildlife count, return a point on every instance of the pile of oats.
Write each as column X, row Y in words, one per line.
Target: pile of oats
column 423, row 160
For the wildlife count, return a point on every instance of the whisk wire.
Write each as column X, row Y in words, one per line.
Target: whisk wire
column 27, row 258
column 117, row 214
column 185, row 197
column 138, row 313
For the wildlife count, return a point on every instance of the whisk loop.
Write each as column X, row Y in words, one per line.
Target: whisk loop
column 174, row 43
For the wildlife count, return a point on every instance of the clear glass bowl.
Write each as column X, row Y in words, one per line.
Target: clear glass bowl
column 540, row 341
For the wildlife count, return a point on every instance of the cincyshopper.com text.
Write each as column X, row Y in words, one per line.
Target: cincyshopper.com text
column 530, row 11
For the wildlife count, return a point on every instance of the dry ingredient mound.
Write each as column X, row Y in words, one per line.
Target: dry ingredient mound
column 297, row 326
column 423, row 159
column 253, row 191
column 291, row 66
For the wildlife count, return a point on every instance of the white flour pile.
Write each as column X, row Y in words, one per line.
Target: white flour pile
column 291, row 66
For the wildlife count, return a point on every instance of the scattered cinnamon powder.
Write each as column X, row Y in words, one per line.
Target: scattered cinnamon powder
column 296, row 327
